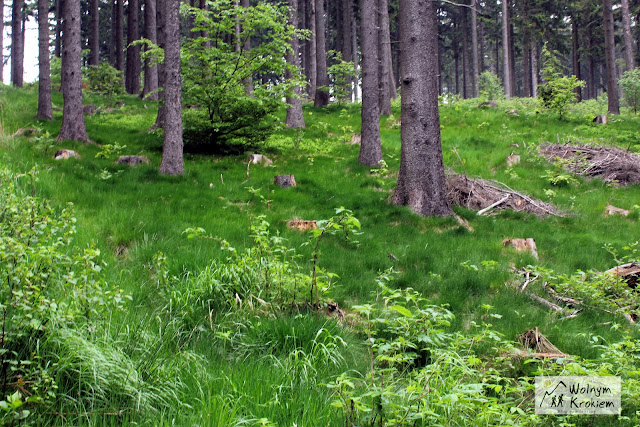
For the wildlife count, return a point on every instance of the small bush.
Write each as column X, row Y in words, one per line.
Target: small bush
column 490, row 87
column 630, row 83
column 104, row 79
column 558, row 91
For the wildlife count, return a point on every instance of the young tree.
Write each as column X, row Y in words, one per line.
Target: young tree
column 295, row 118
column 322, row 76
column 17, row 44
column 45, row 111
column 72, row 115
column 94, row 33
column 370, row 146
column 132, row 82
column 172, row 147
column 421, row 181
column 610, row 54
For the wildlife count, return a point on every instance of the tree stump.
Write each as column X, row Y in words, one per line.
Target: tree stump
column 132, row 160
column 611, row 210
column 513, row 159
column 284, row 181
column 601, row 119
column 522, row 245
column 65, row 154
column 260, row 159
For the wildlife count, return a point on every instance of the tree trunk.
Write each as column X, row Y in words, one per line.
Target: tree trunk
column 347, row 53
column 383, row 57
column 475, row 72
column 72, row 114
column 45, row 111
column 312, row 69
column 591, row 83
column 534, row 69
column 526, row 68
column 322, row 77
column 248, row 82
column 17, row 44
column 161, row 22
column 576, row 55
column 354, row 49
column 610, row 54
column 466, row 81
column 295, row 118
column 94, row 33
column 626, row 31
column 119, row 34
column 2, row 43
column 421, row 180
column 58, row 43
column 132, row 83
column 150, row 90
column 482, row 48
column 370, row 146
column 112, row 35
column 172, row 148
column 506, row 50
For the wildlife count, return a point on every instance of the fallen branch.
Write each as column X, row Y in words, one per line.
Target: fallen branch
column 493, row 205
column 547, row 303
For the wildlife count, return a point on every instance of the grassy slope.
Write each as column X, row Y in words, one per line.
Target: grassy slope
column 145, row 212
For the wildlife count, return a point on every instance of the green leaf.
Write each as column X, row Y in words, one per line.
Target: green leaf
column 402, row 310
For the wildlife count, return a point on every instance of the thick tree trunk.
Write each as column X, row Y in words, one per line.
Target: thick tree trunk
column 161, row 22
column 322, row 77
column 628, row 40
column 172, row 148
column 384, row 57
column 17, row 44
column 475, row 71
column 94, row 32
column 112, row 35
column 150, row 90
column 506, row 50
column 72, row 114
column 370, row 146
column 132, row 83
column 576, row 55
column 45, row 111
column 295, row 118
column 421, row 180
column 610, row 54
column 119, row 35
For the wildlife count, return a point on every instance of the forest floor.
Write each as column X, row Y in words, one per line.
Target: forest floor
column 137, row 219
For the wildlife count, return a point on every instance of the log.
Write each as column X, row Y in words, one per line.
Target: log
column 611, row 210
column 132, row 160
column 24, row 131
column 546, row 303
column 284, row 181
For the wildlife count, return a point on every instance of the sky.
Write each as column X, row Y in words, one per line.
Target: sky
column 30, row 49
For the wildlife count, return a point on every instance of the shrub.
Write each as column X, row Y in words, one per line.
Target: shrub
column 558, row 91
column 490, row 86
column 630, row 83
column 104, row 79
column 341, row 73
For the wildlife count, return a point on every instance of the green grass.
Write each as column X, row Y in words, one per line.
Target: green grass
column 138, row 209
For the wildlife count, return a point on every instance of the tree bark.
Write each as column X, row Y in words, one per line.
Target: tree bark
column 610, row 54
column 534, row 69
column 526, row 68
column 576, row 55
column 94, row 32
column 45, row 111
column 475, row 72
column 72, row 114
column 354, row 49
column 172, row 148
column 370, row 146
column 161, row 22
column 421, row 180
column 506, row 50
column 2, row 43
column 248, row 82
column 295, row 118
column 628, row 40
column 312, row 70
column 385, row 74
column 17, row 44
column 347, row 51
column 322, row 77
column 58, row 43
column 466, row 81
column 132, row 83
column 119, row 34
column 112, row 34
column 150, row 90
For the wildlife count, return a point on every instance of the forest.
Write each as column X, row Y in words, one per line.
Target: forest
column 320, row 212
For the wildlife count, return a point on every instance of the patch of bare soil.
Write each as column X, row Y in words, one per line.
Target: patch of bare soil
column 611, row 164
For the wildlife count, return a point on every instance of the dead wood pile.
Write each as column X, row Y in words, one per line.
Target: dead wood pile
column 534, row 341
column 480, row 194
column 611, row 164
